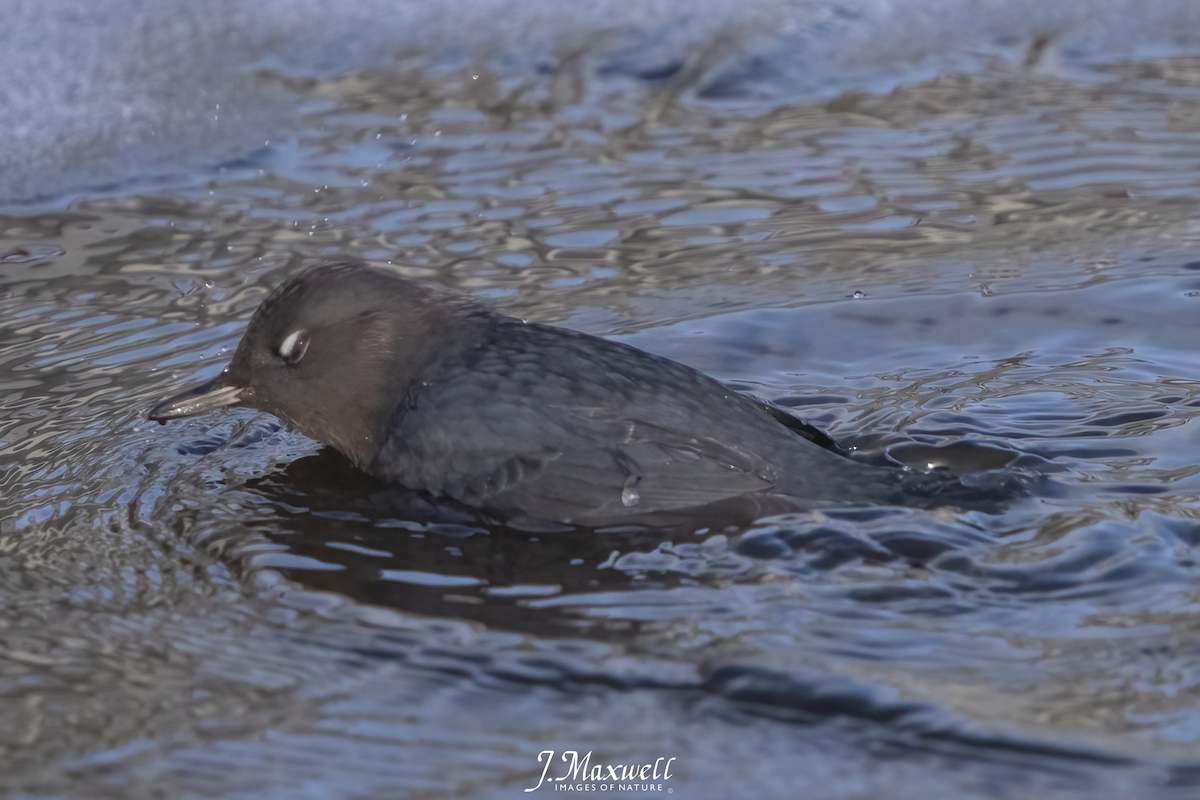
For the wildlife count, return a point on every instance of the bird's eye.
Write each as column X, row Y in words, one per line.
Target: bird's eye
column 292, row 348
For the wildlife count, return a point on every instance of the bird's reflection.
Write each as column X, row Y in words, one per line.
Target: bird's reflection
column 383, row 545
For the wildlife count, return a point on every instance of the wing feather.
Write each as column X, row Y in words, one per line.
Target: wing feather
column 515, row 426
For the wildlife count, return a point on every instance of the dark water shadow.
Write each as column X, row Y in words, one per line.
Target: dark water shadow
column 377, row 543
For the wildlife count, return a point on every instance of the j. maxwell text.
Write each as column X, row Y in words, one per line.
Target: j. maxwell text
column 581, row 769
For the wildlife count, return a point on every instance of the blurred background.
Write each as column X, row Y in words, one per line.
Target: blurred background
column 946, row 233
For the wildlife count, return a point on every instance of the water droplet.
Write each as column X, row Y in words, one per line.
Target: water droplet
column 629, row 494
column 629, row 497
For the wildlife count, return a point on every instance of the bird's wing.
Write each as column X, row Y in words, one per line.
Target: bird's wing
column 564, row 462
column 515, row 429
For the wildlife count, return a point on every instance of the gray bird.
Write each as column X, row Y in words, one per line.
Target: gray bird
column 438, row 393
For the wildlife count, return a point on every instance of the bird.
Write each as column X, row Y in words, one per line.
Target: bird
column 437, row 392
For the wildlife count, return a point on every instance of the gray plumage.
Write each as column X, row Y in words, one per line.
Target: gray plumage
column 438, row 393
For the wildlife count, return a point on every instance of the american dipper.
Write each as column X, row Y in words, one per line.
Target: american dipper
column 436, row 392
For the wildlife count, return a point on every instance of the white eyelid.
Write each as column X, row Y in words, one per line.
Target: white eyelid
column 288, row 345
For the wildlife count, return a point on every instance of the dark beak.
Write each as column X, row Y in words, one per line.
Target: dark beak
column 217, row 393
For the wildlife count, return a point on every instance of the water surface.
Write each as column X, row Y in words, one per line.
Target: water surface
column 983, row 268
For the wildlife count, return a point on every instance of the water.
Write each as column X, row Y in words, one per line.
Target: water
column 994, row 267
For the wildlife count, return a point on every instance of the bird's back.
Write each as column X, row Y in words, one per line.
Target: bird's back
column 566, row 426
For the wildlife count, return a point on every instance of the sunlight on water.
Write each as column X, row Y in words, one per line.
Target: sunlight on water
column 975, row 271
